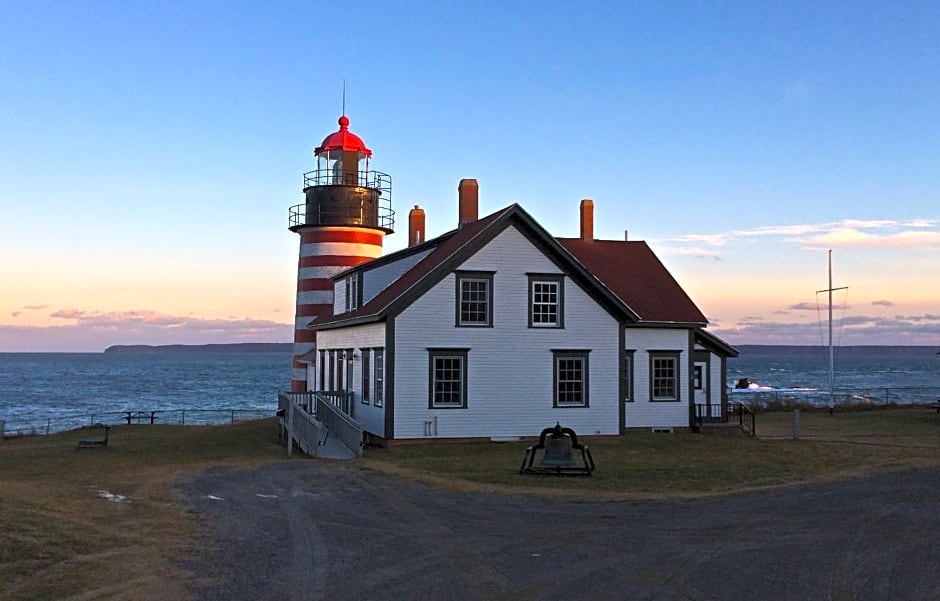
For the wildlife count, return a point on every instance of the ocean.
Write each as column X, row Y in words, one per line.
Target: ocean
column 42, row 392
column 871, row 375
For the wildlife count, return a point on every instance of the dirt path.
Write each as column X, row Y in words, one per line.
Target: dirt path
column 306, row 529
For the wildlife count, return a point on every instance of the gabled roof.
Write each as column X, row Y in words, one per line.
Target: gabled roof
column 633, row 273
column 455, row 247
column 626, row 278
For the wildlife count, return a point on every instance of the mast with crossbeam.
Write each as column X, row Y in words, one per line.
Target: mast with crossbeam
column 830, row 290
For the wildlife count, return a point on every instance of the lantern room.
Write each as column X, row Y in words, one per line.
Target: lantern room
column 340, row 155
column 343, row 190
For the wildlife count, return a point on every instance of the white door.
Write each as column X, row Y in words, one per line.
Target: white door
column 700, row 388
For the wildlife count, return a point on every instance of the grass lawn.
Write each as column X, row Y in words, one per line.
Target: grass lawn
column 61, row 539
column 644, row 464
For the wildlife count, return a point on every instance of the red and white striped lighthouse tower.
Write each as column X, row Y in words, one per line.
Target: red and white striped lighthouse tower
column 347, row 213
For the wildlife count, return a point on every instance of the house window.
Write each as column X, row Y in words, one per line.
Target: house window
column 571, row 378
column 546, row 296
column 352, row 292
column 697, row 377
column 447, row 375
column 474, row 299
column 664, row 376
column 348, row 355
column 628, row 376
column 379, row 368
column 366, row 375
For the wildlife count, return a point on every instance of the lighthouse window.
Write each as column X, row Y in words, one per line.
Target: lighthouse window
column 474, row 299
column 546, row 297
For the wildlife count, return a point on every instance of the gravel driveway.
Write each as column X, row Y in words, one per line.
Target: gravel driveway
column 308, row 529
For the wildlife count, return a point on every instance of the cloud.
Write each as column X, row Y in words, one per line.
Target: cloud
column 16, row 313
column 858, row 329
column 698, row 253
column 850, row 237
column 883, row 303
column 83, row 330
column 145, row 318
column 804, row 306
column 35, row 307
column 873, row 233
column 781, row 312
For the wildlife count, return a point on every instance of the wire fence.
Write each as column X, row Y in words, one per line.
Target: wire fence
column 184, row 417
column 846, row 398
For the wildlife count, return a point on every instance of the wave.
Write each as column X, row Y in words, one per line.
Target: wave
column 755, row 387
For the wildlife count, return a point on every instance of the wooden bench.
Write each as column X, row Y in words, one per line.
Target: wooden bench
column 138, row 417
column 95, row 443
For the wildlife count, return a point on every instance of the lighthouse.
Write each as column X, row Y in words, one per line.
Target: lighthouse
column 346, row 214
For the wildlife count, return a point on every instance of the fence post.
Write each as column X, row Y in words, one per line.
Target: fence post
column 48, row 425
column 290, row 428
column 233, row 416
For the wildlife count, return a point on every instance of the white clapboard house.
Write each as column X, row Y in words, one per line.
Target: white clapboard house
column 498, row 329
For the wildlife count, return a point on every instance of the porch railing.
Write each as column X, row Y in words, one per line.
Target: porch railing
column 747, row 419
column 341, row 400
column 316, row 416
column 297, row 424
column 340, row 424
column 738, row 413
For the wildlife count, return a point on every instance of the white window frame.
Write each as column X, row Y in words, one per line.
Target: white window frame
column 471, row 278
column 541, row 308
column 456, row 361
column 378, row 366
column 564, row 361
column 659, row 375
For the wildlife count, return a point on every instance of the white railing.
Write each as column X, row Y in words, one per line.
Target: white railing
column 341, row 425
column 308, row 418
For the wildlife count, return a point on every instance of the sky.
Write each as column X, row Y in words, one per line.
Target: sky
column 151, row 150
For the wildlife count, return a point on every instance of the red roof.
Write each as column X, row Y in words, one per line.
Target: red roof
column 632, row 272
column 343, row 140
column 629, row 273
column 444, row 247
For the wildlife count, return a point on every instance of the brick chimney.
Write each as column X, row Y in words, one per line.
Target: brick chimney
column 468, row 193
column 416, row 226
column 587, row 219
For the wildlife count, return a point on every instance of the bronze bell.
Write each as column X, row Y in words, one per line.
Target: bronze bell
column 558, row 452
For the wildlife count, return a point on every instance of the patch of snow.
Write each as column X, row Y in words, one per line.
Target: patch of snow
column 111, row 496
column 214, row 498
column 258, row 494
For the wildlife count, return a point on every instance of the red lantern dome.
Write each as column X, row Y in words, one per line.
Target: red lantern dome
column 343, row 141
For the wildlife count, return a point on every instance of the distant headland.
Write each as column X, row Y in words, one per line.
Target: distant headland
column 241, row 347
